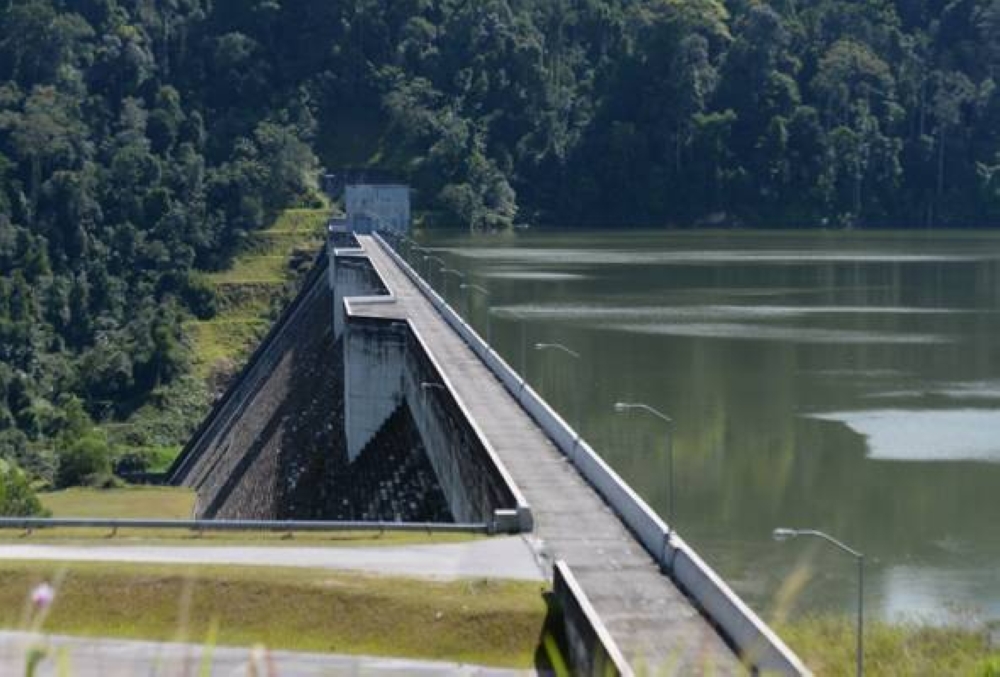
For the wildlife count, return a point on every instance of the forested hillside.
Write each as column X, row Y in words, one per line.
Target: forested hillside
column 141, row 141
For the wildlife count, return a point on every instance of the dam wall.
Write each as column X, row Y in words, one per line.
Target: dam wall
column 469, row 473
column 245, row 458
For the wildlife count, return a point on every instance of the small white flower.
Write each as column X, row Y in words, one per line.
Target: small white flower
column 42, row 596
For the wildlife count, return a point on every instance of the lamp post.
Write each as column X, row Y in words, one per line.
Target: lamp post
column 784, row 534
column 411, row 244
column 623, row 407
column 428, row 385
column 437, row 259
column 576, row 356
column 449, row 271
column 485, row 292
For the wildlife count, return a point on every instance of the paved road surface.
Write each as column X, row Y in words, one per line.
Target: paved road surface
column 508, row 557
column 87, row 657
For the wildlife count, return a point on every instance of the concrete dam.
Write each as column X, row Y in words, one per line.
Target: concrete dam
column 372, row 399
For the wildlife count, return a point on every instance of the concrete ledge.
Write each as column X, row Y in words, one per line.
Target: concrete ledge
column 592, row 651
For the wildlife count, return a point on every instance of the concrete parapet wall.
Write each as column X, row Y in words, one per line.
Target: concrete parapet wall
column 757, row 644
column 470, row 475
column 592, row 651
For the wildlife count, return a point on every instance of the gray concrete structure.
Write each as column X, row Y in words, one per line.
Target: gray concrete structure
column 652, row 621
column 388, row 365
column 583, row 513
column 377, row 206
column 374, row 355
column 244, row 457
column 588, row 644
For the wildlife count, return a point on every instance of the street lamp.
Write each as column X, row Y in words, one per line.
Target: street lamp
column 485, row 292
column 624, row 407
column 449, row 271
column 437, row 259
column 411, row 244
column 784, row 534
column 427, row 385
column 557, row 346
column 576, row 356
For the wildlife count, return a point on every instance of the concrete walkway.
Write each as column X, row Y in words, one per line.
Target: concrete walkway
column 89, row 657
column 508, row 557
column 653, row 623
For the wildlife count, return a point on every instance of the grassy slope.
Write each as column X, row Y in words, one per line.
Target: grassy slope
column 487, row 622
column 135, row 502
column 247, row 289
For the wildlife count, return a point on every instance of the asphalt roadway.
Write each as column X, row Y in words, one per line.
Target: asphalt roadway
column 88, row 657
column 500, row 557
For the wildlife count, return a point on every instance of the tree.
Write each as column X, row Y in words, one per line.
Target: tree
column 17, row 498
column 83, row 461
column 48, row 134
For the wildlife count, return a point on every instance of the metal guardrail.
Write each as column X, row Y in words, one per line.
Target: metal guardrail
column 32, row 523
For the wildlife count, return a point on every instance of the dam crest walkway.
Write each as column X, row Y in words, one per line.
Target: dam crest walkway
column 654, row 624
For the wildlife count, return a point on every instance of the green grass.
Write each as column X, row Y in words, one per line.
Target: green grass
column 827, row 645
column 259, row 269
column 134, row 502
column 223, row 343
column 161, row 458
column 486, row 622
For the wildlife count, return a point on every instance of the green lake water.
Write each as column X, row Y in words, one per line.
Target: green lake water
column 848, row 382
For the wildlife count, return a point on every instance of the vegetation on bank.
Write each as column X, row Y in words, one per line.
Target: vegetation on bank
column 245, row 297
column 17, row 498
column 827, row 645
column 144, row 146
column 487, row 622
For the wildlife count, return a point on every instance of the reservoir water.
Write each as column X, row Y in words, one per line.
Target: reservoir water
column 848, row 382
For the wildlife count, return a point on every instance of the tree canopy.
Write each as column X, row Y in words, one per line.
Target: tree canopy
column 141, row 142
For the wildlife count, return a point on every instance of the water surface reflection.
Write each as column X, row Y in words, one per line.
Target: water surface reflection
column 848, row 382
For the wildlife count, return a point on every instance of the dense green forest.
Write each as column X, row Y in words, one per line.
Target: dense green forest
column 141, row 141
